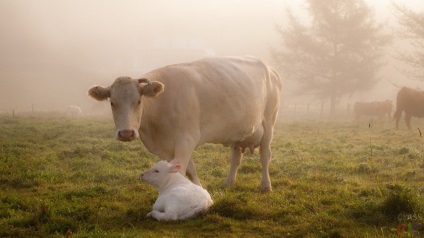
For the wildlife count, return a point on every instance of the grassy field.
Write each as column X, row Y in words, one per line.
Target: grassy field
column 330, row 179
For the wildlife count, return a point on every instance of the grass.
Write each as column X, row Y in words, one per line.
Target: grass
column 60, row 176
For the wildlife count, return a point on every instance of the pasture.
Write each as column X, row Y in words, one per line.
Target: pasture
column 69, row 177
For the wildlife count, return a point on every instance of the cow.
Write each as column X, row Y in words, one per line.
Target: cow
column 73, row 111
column 411, row 102
column 376, row 108
column 232, row 101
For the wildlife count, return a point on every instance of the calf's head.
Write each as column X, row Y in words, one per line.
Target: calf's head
column 160, row 174
column 125, row 96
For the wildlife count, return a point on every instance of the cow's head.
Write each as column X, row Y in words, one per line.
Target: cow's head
column 125, row 96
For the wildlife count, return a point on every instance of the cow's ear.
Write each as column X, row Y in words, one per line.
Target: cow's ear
column 153, row 89
column 100, row 93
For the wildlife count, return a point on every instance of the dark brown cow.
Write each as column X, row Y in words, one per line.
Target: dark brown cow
column 373, row 108
column 412, row 102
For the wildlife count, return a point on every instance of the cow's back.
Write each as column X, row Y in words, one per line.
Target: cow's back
column 216, row 100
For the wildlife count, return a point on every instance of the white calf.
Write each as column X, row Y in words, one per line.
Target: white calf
column 179, row 199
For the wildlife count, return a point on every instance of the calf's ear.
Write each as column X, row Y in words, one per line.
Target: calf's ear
column 152, row 89
column 175, row 166
column 99, row 93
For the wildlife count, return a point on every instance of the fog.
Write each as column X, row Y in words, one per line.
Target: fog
column 52, row 51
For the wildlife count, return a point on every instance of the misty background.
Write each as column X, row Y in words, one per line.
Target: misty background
column 52, row 52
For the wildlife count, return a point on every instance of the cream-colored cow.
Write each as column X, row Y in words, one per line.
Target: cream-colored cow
column 225, row 100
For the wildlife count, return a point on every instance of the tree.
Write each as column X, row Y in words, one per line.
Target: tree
column 337, row 54
column 412, row 30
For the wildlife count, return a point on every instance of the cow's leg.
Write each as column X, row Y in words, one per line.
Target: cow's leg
column 182, row 153
column 235, row 164
column 270, row 117
column 408, row 120
column 265, row 155
column 381, row 117
column 397, row 122
column 397, row 117
column 265, row 150
column 192, row 173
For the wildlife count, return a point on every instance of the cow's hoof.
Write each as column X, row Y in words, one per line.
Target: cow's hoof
column 230, row 184
column 266, row 190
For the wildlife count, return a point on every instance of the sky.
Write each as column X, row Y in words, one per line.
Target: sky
column 53, row 51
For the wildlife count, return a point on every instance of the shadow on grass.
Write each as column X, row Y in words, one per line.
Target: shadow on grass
column 233, row 208
column 399, row 200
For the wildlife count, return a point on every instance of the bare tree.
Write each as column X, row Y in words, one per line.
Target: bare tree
column 412, row 30
column 337, row 54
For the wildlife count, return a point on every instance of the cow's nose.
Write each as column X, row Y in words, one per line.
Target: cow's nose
column 126, row 135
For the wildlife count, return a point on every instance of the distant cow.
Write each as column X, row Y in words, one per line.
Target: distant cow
column 376, row 108
column 223, row 100
column 73, row 111
column 412, row 102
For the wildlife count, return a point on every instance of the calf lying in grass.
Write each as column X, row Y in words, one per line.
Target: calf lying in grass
column 179, row 198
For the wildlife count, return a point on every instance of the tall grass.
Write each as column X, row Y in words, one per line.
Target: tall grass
column 61, row 176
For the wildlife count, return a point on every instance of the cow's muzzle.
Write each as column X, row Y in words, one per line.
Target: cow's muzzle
column 126, row 135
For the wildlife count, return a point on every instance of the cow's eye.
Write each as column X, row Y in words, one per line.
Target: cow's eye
column 156, row 171
column 112, row 104
column 139, row 101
